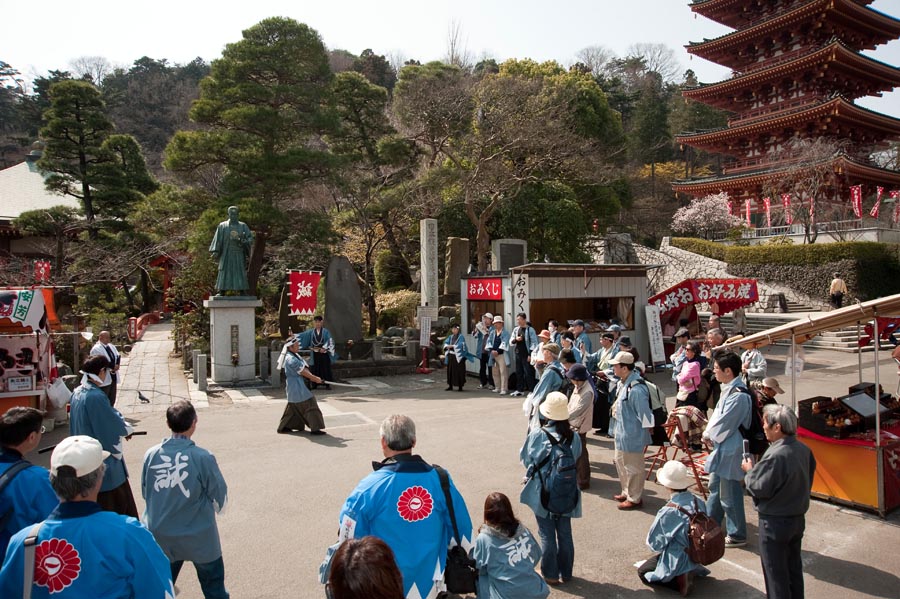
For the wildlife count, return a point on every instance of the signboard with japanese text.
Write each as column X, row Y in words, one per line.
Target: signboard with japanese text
column 484, row 289
column 425, row 315
column 655, row 335
column 304, row 287
column 727, row 294
column 520, row 293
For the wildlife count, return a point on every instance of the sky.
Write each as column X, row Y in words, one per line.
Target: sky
column 35, row 38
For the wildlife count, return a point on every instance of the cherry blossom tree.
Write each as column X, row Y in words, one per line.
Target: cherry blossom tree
column 705, row 216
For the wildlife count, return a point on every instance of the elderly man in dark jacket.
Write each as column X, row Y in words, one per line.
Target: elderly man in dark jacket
column 780, row 485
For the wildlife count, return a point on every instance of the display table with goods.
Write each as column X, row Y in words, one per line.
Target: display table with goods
column 851, row 467
column 27, row 363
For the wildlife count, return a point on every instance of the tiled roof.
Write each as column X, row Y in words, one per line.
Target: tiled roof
column 22, row 189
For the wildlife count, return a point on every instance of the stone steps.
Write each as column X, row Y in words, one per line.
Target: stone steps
column 844, row 339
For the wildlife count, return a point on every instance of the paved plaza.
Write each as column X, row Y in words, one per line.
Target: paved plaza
column 286, row 490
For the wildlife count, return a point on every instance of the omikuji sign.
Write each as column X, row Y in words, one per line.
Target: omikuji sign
column 727, row 293
column 484, row 289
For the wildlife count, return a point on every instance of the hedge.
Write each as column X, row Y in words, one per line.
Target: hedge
column 870, row 269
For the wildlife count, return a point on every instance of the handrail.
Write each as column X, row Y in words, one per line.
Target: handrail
column 137, row 326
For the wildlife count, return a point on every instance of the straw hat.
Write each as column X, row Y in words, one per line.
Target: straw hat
column 772, row 383
column 674, row 475
column 555, row 407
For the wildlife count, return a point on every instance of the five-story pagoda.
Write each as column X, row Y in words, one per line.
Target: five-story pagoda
column 797, row 70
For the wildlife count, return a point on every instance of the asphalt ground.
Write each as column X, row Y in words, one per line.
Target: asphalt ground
column 285, row 491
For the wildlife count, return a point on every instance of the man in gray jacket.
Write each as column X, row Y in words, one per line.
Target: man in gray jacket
column 780, row 485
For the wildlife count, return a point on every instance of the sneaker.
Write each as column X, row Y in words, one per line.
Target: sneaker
column 492, row 388
column 503, row 393
column 480, row 387
column 494, row 391
column 731, row 543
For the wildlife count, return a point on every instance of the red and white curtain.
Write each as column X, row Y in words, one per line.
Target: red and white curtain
column 767, row 203
column 895, row 195
column 747, row 211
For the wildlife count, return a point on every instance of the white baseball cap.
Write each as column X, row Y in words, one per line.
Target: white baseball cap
column 623, row 357
column 83, row 453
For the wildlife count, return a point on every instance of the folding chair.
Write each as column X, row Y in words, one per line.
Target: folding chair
column 679, row 449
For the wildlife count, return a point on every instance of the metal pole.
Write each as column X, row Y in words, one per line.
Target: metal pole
column 859, row 352
column 877, row 386
column 793, row 372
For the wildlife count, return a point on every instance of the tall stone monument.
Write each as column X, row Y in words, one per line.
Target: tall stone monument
column 343, row 301
column 456, row 264
column 232, row 314
column 428, row 238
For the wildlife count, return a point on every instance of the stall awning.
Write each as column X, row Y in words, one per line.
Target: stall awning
column 807, row 328
column 727, row 294
column 24, row 309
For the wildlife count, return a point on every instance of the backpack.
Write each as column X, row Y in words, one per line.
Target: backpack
column 559, row 487
column 706, row 540
column 5, row 479
column 703, row 390
column 755, row 434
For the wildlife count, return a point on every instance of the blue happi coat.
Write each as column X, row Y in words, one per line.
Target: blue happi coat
column 402, row 504
column 84, row 552
column 308, row 339
column 504, row 345
column 534, row 451
column 732, row 411
column 634, row 418
column 551, row 380
column 183, row 490
column 29, row 494
column 669, row 536
column 506, row 565
column 92, row 415
column 297, row 390
column 584, row 339
column 458, row 350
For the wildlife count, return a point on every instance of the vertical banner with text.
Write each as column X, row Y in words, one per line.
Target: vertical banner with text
column 655, row 335
column 304, row 287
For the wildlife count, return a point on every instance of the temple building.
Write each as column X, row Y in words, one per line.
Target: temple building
column 797, row 71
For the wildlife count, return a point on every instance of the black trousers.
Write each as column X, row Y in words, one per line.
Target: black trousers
column 649, row 566
column 111, row 390
column 779, row 550
column 484, row 373
column 524, row 374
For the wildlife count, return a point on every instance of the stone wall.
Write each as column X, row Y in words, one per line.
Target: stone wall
column 678, row 265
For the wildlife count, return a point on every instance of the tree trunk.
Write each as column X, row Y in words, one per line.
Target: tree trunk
column 128, row 297
column 256, row 259
column 482, row 245
column 394, row 245
column 145, row 291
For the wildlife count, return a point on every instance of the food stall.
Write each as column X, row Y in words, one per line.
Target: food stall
column 598, row 294
column 26, row 353
column 854, row 436
column 680, row 302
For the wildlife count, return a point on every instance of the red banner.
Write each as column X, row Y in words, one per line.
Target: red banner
column 767, row 202
column 874, row 212
column 41, row 271
column 304, row 288
column 484, row 289
column 747, row 211
column 856, row 200
column 730, row 208
column 728, row 294
column 786, row 202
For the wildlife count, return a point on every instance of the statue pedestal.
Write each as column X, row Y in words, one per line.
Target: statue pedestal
column 232, row 332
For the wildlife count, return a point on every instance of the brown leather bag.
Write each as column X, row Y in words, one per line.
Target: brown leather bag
column 706, row 539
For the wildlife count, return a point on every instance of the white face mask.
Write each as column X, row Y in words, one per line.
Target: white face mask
column 552, row 328
column 93, row 378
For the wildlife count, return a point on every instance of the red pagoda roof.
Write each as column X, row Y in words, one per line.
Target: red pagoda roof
column 808, row 120
column 843, row 64
column 741, row 13
column 857, row 26
column 751, row 184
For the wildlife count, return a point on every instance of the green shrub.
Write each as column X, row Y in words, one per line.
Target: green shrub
column 400, row 306
column 391, row 317
column 388, row 267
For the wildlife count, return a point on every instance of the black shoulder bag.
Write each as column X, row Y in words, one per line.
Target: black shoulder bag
column 7, row 477
column 460, row 574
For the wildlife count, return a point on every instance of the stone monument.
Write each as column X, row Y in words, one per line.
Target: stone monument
column 508, row 253
column 343, row 301
column 428, row 239
column 456, row 264
column 232, row 318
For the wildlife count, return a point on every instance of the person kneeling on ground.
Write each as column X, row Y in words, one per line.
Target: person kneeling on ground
column 364, row 569
column 505, row 554
column 669, row 533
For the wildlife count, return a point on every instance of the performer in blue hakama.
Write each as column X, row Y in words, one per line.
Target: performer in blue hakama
column 455, row 356
column 318, row 340
column 301, row 410
column 92, row 415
